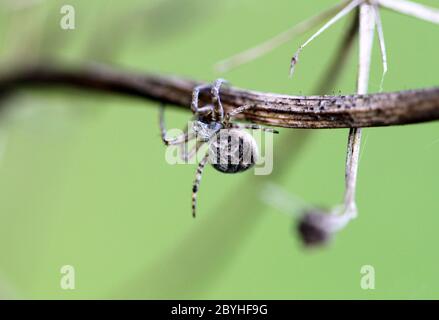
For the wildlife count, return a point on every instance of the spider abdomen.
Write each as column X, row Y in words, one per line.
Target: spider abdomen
column 233, row 151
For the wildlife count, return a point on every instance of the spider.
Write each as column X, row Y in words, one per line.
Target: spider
column 231, row 149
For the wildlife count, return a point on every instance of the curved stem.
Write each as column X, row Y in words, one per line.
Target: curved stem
column 311, row 112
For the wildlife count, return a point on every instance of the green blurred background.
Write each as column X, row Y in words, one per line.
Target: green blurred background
column 84, row 182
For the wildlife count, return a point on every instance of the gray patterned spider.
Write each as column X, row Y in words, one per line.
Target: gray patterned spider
column 231, row 149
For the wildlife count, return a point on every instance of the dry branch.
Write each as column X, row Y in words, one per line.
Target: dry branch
column 351, row 111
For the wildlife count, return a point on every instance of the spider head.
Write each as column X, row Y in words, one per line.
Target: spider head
column 206, row 130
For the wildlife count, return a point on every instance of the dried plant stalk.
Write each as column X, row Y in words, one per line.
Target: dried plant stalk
column 367, row 30
column 311, row 112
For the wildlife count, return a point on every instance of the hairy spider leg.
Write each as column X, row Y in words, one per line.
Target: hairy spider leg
column 236, row 111
column 215, row 92
column 182, row 138
column 181, row 141
column 196, row 185
column 188, row 155
column 253, row 127
column 242, row 109
column 195, row 97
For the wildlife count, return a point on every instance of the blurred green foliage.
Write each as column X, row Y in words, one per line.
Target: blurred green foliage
column 83, row 180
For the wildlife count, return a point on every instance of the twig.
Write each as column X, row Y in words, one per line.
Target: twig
column 271, row 44
column 412, row 9
column 381, row 39
column 312, row 112
column 328, row 80
column 367, row 30
column 345, row 11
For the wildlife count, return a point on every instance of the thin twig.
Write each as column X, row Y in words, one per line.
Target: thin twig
column 328, row 80
column 271, row 44
column 381, row 39
column 367, row 30
column 312, row 112
column 345, row 11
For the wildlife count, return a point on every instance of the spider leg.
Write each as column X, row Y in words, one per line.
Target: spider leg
column 186, row 155
column 182, row 138
column 241, row 109
column 236, row 111
column 219, row 110
column 253, row 127
column 197, row 181
column 195, row 98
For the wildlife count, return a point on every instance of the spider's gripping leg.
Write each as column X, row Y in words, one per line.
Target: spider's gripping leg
column 196, row 97
column 182, row 138
column 241, row 109
column 187, row 155
column 219, row 110
column 236, row 111
column 253, row 127
column 197, row 181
